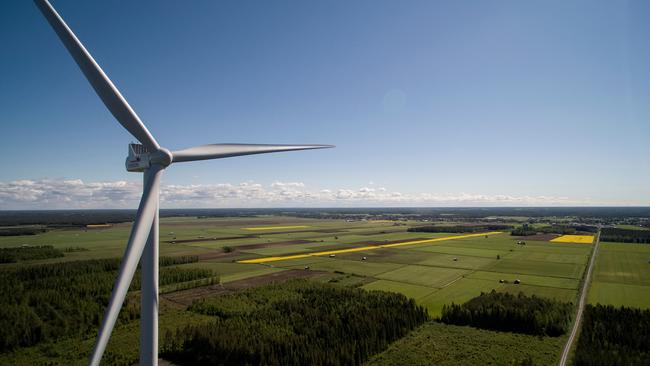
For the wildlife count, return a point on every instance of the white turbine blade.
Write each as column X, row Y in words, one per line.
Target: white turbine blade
column 103, row 86
column 220, row 151
column 137, row 241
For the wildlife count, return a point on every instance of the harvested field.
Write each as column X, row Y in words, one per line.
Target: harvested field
column 198, row 240
column 236, row 249
column 537, row 237
column 275, row 227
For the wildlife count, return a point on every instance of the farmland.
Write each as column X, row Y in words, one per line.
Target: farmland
column 622, row 275
column 433, row 268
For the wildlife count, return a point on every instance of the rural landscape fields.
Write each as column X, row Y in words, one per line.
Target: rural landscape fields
column 435, row 269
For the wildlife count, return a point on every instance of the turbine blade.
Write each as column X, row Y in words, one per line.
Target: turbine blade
column 220, row 151
column 137, row 241
column 114, row 101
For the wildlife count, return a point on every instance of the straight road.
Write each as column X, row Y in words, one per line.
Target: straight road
column 581, row 304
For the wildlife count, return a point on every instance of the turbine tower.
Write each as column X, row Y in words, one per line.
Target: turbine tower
column 151, row 159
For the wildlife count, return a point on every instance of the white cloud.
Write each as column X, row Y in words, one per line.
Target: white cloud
column 53, row 194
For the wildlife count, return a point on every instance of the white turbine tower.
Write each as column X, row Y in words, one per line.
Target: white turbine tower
column 151, row 159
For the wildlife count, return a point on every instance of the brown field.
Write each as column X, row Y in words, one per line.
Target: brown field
column 538, row 237
column 186, row 297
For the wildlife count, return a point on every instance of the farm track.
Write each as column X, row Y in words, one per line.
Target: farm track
column 581, row 304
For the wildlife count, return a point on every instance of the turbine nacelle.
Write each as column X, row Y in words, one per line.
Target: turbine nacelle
column 140, row 159
column 149, row 158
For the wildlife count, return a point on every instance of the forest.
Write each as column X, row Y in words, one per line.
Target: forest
column 21, row 230
column 295, row 323
column 625, row 235
column 527, row 230
column 523, row 230
column 55, row 300
column 511, row 313
column 613, row 336
column 568, row 229
column 459, row 228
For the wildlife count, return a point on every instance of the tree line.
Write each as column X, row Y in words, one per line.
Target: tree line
column 613, row 336
column 459, row 228
column 21, row 230
column 54, row 300
column 524, row 230
column 511, row 313
column 568, row 229
column 295, row 323
column 625, row 235
column 527, row 230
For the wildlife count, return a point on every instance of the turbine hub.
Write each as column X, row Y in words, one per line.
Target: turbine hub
column 140, row 158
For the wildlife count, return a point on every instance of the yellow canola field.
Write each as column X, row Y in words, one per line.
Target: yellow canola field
column 579, row 239
column 361, row 249
column 275, row 227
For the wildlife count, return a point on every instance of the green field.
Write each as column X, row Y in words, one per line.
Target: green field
column 622, row 275
column 434, row 274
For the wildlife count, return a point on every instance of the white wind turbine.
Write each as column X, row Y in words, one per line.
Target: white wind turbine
column 151, row 159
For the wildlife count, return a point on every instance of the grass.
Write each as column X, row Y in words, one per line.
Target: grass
column 423, row 275
column 424, row 269
column 413, row 291
column 622, row 275
column 458, row 250
column 439, row 344
column 461, row 290
column 348, row 266
column 365, row 248
column 617, row 294
column 555, row 282
column 275, row 227
column 540, row 268
column 456, row 261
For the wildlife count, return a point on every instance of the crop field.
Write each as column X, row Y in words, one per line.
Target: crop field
column 580, row 239
column 622, row 275
column 433, row 268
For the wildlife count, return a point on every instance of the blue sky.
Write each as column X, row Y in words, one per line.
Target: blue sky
column 429, row 102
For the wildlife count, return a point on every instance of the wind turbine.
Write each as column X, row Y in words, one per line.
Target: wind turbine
column 151, row 159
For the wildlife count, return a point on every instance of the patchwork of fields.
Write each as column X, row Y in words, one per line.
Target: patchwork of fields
column 433, row 268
